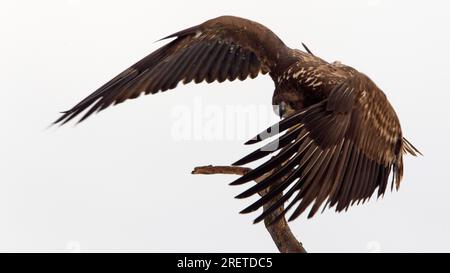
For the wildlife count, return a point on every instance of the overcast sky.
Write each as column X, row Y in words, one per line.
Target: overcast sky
column 121, row 181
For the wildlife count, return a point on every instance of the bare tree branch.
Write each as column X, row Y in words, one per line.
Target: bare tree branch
column 281, row 233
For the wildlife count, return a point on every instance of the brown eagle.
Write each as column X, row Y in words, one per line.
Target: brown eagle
column 341, row 139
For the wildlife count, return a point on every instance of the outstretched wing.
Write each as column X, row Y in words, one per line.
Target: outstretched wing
column 225, row 48
column 338, row 150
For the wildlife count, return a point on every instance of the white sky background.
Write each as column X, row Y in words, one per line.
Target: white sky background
column 121, row 181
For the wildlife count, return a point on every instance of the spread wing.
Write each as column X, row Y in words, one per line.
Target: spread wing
column 339, row 150
column 225, row 48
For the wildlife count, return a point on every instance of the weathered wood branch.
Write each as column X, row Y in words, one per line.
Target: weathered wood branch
column 280, row 232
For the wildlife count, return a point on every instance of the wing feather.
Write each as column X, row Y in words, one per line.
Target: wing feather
column 345, row 148
column 222, row 48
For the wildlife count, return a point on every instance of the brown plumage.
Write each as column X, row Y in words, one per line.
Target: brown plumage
column 341, row 137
